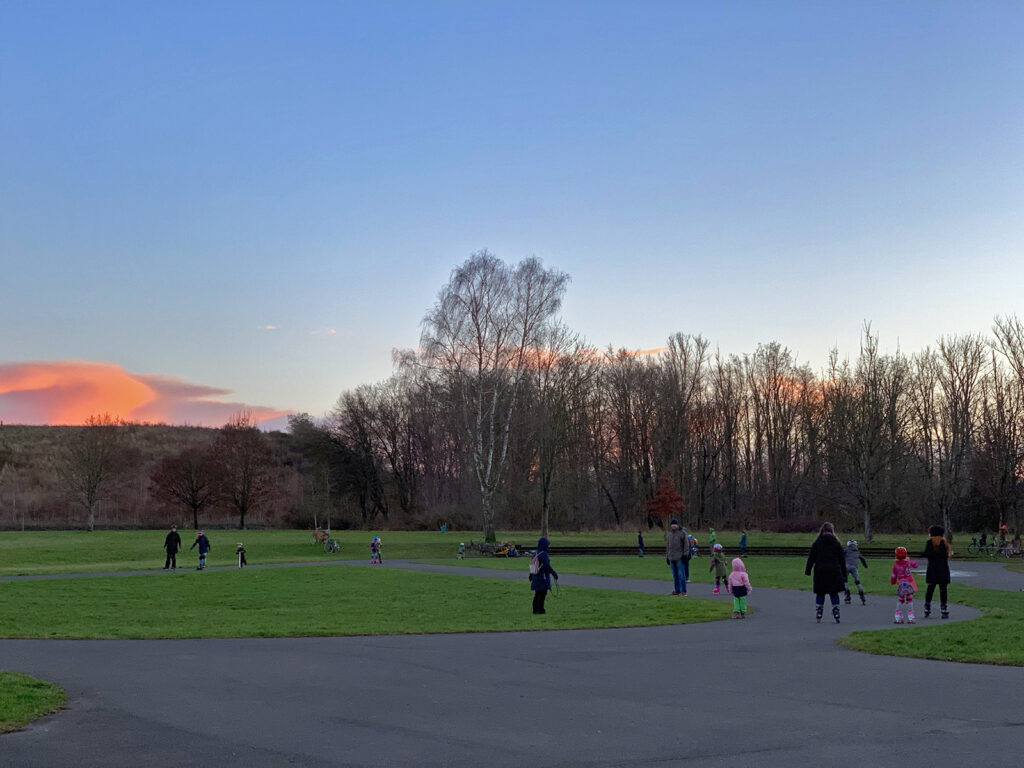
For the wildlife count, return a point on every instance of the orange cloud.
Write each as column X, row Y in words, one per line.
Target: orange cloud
column 68, row 392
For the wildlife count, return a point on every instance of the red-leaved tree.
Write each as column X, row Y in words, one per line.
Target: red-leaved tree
column 667, row 503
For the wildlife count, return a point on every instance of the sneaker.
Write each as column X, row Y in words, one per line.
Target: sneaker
column 945, row 614
column 674, row 594
column 927, row 611
column 897, row 620
column 847, row 600
column 715, row 591
column 863, row 600
column 735, row 614
column 743, row 614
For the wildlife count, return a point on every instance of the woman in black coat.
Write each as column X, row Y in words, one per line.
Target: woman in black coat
column 937, row 552
column 829, row 565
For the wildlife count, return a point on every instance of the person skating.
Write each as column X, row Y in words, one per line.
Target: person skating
column 853, row 557
column 375, row 556
column 204, row 547
column 937, row 552
column 676, row 556
column 739, row 584
column 829, row 566
column 240, row 554
column 718, row 567
column 172, row 544
column 903, row 579
column 541, row 573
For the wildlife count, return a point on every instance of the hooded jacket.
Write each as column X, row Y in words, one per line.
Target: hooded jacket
column 718, row 564
column 828, row 563
column 852, row 555
column 738, row 577
column 172, row 543
column 204, row 544
column 541, row 580
column 901, row 572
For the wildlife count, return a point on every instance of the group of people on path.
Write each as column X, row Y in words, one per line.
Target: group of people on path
column 678, row 553
column 172, row 543
column 833, row 565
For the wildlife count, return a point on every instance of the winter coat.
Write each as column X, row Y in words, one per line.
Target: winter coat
column 676, row 546
column 204, row 544
column 718, row 565
column 937, row 552
column 738, row 577
column 829, row 565
column 901, row 572
column 172, row 543
column 541, row 580
column 852, row 555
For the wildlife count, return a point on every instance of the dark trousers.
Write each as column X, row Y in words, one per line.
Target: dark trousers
column 172, row 560
column 538, row 600
column 819, row 598
column 931, row 591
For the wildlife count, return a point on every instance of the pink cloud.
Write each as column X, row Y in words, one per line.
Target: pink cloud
column 68, row 392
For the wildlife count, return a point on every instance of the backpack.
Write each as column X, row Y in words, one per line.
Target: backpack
column 535, row 565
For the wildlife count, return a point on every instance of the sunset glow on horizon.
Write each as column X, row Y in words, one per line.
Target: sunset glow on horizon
column 67, row 392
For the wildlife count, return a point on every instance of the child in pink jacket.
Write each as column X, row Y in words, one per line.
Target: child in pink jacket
column 905, row 585
column 739, row 583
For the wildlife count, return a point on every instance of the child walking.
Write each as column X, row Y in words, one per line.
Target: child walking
column 739, row 583
column 375, row 557
column 905, row 585
column 204, row 547
column 718, row 568
column 852, row 554
column 937, row 552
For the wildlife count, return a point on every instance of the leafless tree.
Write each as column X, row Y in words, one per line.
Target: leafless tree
column 188, row 478
column 93, row 458
column 244, row 465
column 481, row 338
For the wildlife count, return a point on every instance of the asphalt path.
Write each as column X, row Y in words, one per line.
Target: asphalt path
column 771, row 690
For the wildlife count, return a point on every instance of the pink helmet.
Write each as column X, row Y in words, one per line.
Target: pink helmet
column 901, row 552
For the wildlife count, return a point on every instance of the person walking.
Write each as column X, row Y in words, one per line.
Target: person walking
column 739, row 584
column 204, row 547
column 829, row 565
column 540, row 575
column 937, row 552
column 743, row 543
column 676, row 556
column 640, row 541
column 853, row 556
column 172, row 544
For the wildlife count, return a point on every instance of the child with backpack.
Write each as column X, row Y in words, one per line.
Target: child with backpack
column 718, row 568
column 739, row 585
column 540, row 575
column 905, row 585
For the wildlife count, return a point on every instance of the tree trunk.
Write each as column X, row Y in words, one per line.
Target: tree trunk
column 488, row 515
column 195, row 517
column 867, row 524
column 92, row 517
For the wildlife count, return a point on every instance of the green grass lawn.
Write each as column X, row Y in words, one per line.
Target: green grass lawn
column 24, row 699
column 316, row 601
column 35, row 552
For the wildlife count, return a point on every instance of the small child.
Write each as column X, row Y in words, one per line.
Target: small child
column 462, row 551
column 905, row 585
column 240, row 554
column 375, row 557
column 204, row 547
column 739, row 583
column 853, row 556
column 718, row 567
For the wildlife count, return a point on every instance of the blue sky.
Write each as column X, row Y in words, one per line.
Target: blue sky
column 175, row 177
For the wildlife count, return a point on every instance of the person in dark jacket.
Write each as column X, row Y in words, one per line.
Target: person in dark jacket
column 540, row 581
column 204, row 546
column 937, row 552
column 829, row 565
column 677, row 556
column 172, row 544
column 640, row 541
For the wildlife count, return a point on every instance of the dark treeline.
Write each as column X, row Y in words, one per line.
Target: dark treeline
column 505, row 417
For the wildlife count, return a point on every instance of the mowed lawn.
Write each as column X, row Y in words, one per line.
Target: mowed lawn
column 280, row 602
column 997, row 637
column 36, row 552
column 24, row 698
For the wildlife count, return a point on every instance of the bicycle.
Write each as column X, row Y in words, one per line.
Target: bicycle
column 989, row 548
column 332, row 546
